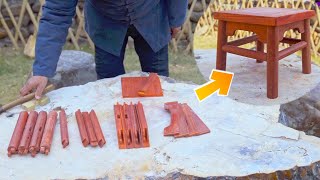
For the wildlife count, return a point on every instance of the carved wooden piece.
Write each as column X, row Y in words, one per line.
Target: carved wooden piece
column 17, row 133
column 34, row 147
column 97, row 128
column 141, row 86
column 269, row 25
column 131, row 124
column 48, row 133
column 64, row 128
column 27, row 133
column 90, row 131
column 82, row 129
column 184, row 121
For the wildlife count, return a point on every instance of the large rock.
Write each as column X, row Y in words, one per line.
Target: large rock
column 74, row 68
column 249, row 82
column 244, row 140
column 304, row 113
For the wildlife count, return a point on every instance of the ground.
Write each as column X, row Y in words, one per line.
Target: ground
column 15, row 69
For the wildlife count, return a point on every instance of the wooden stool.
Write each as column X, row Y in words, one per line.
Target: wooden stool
column 269, row 26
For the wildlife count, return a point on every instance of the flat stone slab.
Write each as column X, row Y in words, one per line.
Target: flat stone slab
column 249, row 82
column 245, row 139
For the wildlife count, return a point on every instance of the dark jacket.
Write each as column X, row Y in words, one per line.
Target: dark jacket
column 106, row 22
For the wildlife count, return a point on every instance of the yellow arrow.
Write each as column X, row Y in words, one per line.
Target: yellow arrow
column 220, row 81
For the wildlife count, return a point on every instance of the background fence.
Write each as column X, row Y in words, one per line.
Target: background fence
column 15, row 14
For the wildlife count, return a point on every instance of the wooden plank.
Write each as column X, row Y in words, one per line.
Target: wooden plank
column 245, row 52
column 243, row 41
column 292, row 49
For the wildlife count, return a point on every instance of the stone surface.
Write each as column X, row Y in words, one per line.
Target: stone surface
column 249, row 82
column 304, row 113
column 74, row 68
column 240, row 142
column 195, row 16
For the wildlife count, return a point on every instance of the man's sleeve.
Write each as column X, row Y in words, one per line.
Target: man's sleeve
column 53, row 30
column 177, row 10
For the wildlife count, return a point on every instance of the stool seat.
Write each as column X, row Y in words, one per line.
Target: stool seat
column 264, row 16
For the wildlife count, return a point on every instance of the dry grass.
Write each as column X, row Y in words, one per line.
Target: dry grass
column 15, row 68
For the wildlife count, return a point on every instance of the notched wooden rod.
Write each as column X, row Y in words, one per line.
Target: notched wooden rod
column 34, row 147
column 27, row 133
column 97, row 128
column 17, row 133
column 64, row 128
column 82, row 129
column 120, row 125
column 143, row 126
column 128, row 124
column 48, row 133
column 92, row 136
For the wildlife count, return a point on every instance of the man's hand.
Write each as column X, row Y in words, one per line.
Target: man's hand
column 37, row 83
column 175, row 31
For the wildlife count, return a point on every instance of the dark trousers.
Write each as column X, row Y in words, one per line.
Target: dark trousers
column 109, row 65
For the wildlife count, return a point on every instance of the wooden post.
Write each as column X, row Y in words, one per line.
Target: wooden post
column 221, row 60
column 272, row 62
column 260, row 48
column 306, row 54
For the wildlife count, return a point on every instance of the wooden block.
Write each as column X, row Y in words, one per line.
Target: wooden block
column 30, row 105
column 43, row 101
column 141, row 86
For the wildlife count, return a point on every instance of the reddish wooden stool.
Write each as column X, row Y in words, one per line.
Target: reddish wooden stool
column 269, row 26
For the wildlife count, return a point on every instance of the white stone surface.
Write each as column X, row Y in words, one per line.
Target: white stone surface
column 244, row 139
column 249, row 82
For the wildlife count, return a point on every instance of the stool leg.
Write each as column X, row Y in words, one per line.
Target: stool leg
column 272, row 62
column 221, row 61
column 260, row 48
column 306, row 54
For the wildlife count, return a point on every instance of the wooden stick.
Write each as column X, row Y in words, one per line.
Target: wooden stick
column 24, row 99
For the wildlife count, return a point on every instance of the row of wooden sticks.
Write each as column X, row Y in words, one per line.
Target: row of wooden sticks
column 34, row 132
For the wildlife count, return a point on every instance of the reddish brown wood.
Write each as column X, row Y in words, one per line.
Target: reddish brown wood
column 97, row 128
column 198, row 126
column 269, row 25
column 141, row 86
column 290, row 40
column 34, row 147
column 143, row 132
column 222, row 40
column 272, row 62
column 149, row 87
column 120, row 125
column 82, row 129
column 243, row 41
column 244, row 52
column 260, row 48
column 27, row 133
column 189, row 124
column 259, row 30
column 306, row 54
column 90, row 131
column 292, row 49
column 132, row 129
column 129, row 120
column 48, row 133
column 175, row 109
column 17, row 133
column 264, row 16
column 64, row 128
